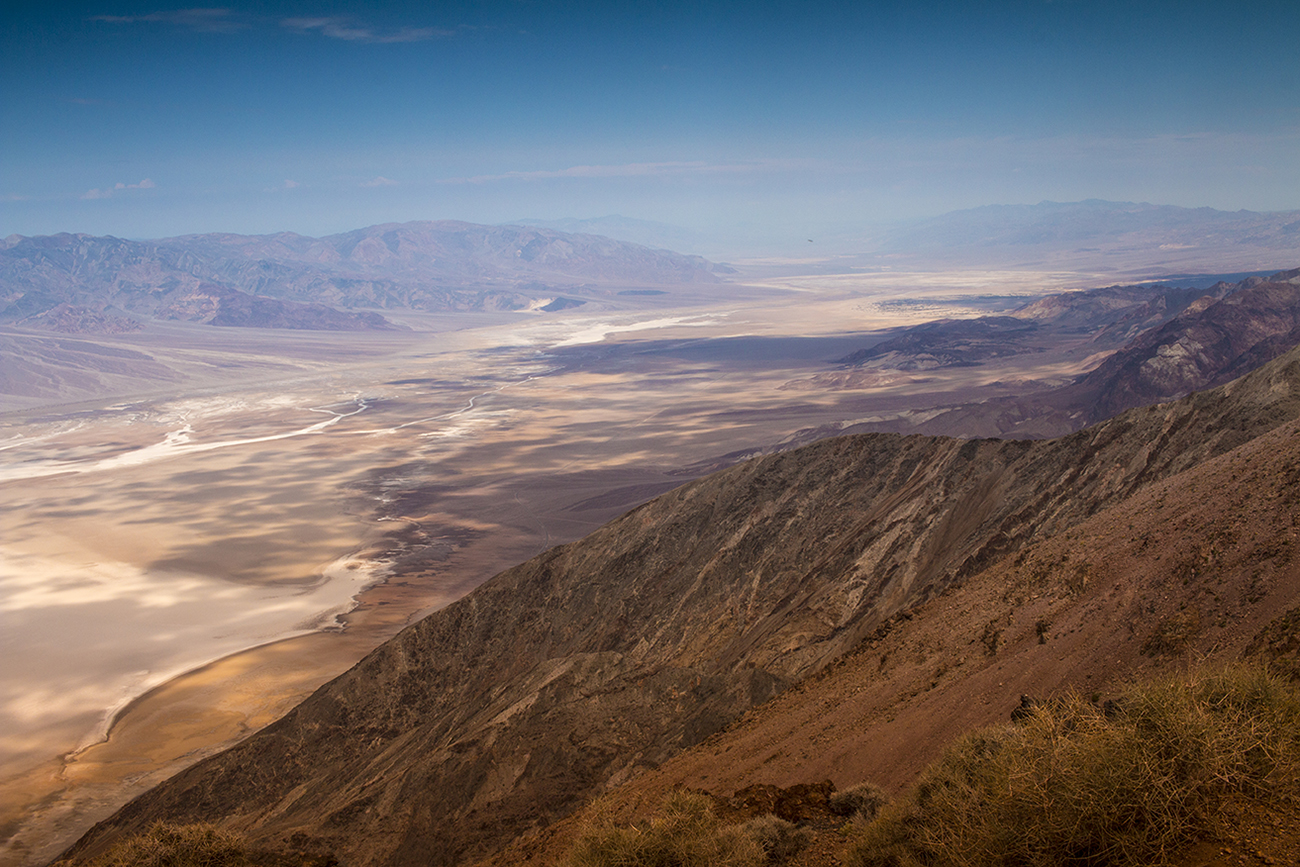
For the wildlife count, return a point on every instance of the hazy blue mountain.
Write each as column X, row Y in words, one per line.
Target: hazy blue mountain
column 433, row 266
column 1097, row 233
column 646, row 232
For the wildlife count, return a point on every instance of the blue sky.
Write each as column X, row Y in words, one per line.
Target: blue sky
column 148, row 120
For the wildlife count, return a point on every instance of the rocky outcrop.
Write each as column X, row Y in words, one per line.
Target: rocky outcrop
column 1208, row 344
column 1108, row 318
column 594, row 660
column 949, row 343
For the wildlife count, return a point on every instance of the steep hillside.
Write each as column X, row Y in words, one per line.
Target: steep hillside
column 292, row 279
column 1202, row 566
column 603, row 658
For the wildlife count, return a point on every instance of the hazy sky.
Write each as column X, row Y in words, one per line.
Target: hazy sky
column 146, row 120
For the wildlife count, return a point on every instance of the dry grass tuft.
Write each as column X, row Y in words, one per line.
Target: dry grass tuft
column 861, row 802
column 1074, row 786
column 780, row 840
column 683, row 833
column 164, row 845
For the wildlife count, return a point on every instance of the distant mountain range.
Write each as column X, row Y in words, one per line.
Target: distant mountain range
column 340, row 282
column 646, row 232
column 1094, row 233
column 82, row 283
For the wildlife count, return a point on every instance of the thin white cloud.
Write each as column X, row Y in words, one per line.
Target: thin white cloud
column 976, row 153
column 631, row 170
column 225, row 20
column 347, row 30
column 380, row 181
column 204, row 20
column 108, row 192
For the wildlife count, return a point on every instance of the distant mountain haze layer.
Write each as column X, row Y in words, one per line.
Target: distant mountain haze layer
column 1094, row 234
column 646, row 232
column 341, row 282
column 601, row 659
column 81, row 283
column 1118, row 236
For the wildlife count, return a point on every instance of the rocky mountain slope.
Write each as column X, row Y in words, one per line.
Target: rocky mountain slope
column 1200, row 568
column 1215, row 339
column 599, row 660
column 292, row 281
column 1159, row 344
column 1107, row 318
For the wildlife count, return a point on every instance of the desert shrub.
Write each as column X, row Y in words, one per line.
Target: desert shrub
column 1070, row 785
column 683, row 833
column 861, row 802
column 164, row 845
column 780, row 840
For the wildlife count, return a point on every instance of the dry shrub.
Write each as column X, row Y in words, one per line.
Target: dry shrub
column 164, row 845
column 860, row 802
column 683, row 833
column 1072, row 786
column 780, row 840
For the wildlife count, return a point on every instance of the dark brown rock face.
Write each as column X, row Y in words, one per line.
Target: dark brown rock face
column 570, row 672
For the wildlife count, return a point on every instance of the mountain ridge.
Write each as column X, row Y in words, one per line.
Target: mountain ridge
column 1168, row 580
column 1120, row 236
column 428, row 266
